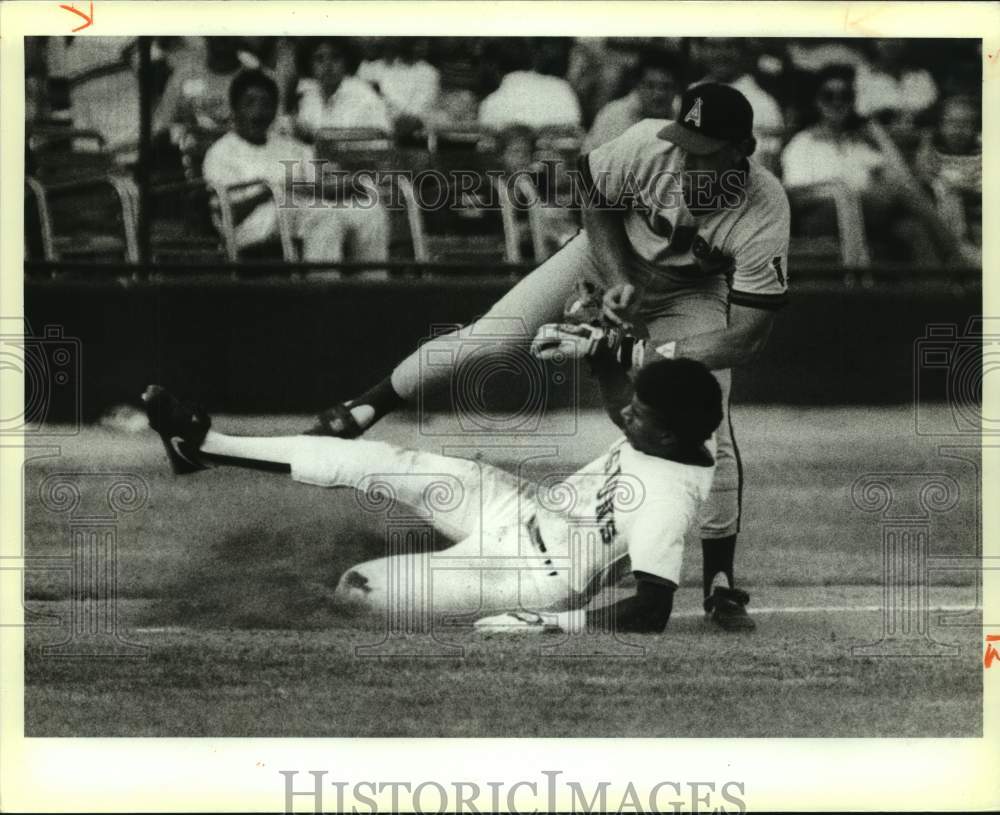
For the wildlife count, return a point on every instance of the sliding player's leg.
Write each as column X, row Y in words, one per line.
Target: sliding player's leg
column 495, row 569
column 452, row 494
column 512, row 322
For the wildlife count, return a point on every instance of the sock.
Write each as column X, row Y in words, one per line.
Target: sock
column 382, row 399
column 717, row 556
column 272, row 453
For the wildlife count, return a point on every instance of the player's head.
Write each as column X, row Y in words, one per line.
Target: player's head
column 253, row 96
column 676, row 406
column 715, row 130
column 657, row 81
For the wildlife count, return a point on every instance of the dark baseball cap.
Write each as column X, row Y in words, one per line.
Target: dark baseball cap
column 712, row 116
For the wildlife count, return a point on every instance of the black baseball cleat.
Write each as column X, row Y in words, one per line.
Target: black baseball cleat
column 182, row 427
column 727, row 608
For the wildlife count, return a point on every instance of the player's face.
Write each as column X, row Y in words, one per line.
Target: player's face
column 254, row 113
column 702, row 178
column 642, row 427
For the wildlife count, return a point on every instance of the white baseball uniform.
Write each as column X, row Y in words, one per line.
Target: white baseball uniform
column 692, row 269
column 552, row 545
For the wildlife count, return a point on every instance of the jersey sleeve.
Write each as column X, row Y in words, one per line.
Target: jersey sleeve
column 760, row 252
column 656, row 539
column 610, row 174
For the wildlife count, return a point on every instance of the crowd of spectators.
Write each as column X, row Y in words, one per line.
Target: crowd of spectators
column 896, row 122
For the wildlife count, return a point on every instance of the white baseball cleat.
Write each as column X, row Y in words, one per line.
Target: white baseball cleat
column 517, row 622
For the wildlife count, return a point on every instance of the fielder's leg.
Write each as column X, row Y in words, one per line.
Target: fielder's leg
column 537, row 299
column 697, row 309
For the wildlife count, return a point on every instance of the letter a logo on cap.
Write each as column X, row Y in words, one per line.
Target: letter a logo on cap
column 694, row 115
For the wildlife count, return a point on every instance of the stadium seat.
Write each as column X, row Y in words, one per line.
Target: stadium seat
column 334, row 141
column 64, row 154
column 93, row 219
column 845, row 244
column 283, row 247
column 963, row 209
column 550, row 222
column 461, row 222
column 180, row 223
column 469, row 139
column 38, row 242
column 559, row 142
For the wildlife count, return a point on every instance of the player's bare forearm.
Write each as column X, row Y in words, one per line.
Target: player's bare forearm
column 739, row 343
column 606, row 235
column 616, row 387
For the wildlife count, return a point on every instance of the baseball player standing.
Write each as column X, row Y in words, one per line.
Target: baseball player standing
column 628, row 510
column 687, row 237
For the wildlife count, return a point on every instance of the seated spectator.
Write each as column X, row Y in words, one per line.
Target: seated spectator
column 274, row 56
column 653, row 96
column 334, row 96
column 844, row 148
column 556, row 221
column 196, row 96
column 462, row 81
column 103, row 88
column 536, row 96
column 949, row 162
column 251, row 153
column 728, row 60
column 600, row 68
column 891, row 90
column 407, row 82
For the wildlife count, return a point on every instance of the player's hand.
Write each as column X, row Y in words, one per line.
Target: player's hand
column 565, row 340
column 585, row 306
column 619, row 305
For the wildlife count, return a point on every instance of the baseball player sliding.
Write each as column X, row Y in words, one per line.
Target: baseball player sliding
column 685, row 239
column 545, row 558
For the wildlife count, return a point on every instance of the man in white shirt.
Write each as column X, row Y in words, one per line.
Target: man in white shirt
column 630, row 508
column 252, row 154
column 407, row 82
column 534, row 97
column 334, row 97
column 888, row 84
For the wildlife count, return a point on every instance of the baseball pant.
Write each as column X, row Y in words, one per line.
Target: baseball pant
column 671, row 311
column 494, row 563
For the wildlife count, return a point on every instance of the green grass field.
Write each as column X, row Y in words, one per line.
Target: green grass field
column 225, row 580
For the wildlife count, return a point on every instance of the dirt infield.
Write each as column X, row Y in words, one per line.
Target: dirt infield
column 224, row 580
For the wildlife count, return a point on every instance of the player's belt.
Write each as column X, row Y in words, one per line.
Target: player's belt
column 536, row 534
